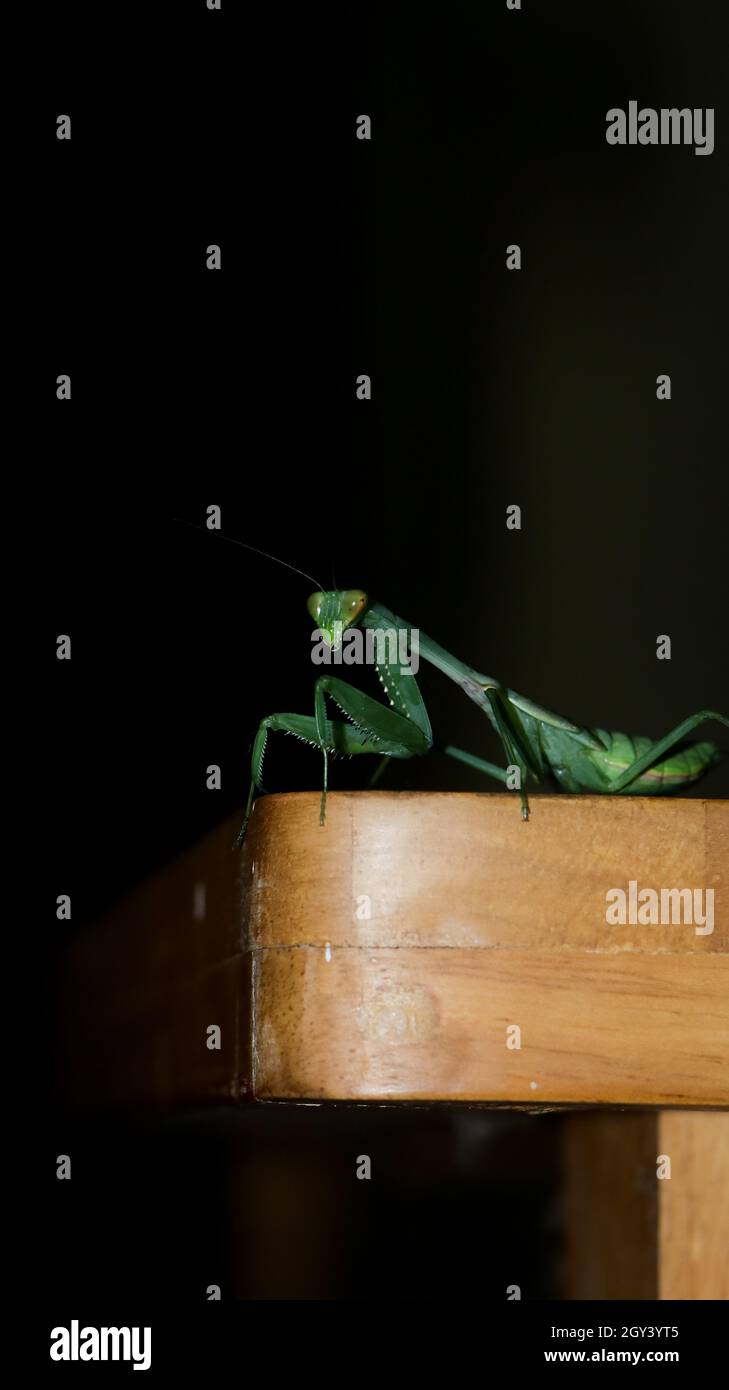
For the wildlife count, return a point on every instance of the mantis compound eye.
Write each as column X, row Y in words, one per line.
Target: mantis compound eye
column 354, row 602
column 314, row 606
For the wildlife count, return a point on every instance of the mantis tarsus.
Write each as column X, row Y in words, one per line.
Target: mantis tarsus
column 537, row 743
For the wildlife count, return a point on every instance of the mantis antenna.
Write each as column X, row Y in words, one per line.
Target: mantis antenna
column 253, row 548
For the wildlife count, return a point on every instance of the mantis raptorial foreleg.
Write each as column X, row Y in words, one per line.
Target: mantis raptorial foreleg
column 370, row 732
column 394, row 735
column 663, row 746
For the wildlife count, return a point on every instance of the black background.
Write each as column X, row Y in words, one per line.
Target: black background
column 192, row 388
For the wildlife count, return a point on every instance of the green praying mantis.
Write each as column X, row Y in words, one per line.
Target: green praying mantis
column 537, row 744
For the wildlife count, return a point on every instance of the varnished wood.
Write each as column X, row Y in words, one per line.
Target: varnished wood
column 694, row 1206
column 383, row 956
column 478, row 921
column 142, row 986
column 611, row 1198
column 647, row 1205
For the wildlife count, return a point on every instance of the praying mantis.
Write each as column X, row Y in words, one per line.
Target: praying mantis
column 536, row 743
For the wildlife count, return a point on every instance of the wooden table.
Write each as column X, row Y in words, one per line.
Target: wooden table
column 436, row 949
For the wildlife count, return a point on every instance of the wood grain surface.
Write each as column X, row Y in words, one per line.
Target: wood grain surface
column 693, row 1231
column 647, row 1205
column 391, row 954
column 395, row 948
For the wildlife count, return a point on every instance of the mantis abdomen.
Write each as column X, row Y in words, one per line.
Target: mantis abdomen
column 597, row 768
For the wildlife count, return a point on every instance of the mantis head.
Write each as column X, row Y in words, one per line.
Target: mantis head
column 334, row 611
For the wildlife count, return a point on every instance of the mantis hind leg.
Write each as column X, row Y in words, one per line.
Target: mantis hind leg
column 663, row 746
